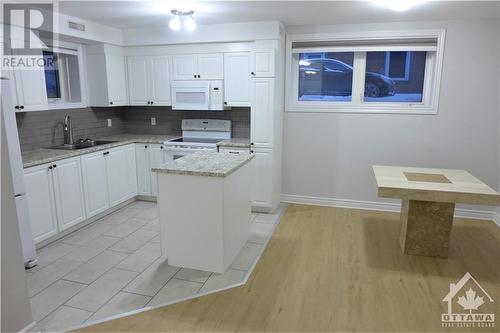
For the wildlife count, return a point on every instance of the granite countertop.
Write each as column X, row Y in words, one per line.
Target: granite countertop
column 211, row 164
column 47, row 155
column 235, row 142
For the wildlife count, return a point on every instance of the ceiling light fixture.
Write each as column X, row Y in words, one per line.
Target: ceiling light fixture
column 182, row 17
column 399, row 5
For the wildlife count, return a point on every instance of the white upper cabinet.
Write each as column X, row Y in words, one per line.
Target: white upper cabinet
column 198, row 66
column 237, row 79
column 138, row 80
column 68, row 192
column 160, row 80
column 115, row 70
column 107, row 84
column 263, row 63
column 211, row 66
column 262, row 112
column 149, row 80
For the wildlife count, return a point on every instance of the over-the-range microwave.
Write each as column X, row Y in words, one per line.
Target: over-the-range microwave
column 198, row 95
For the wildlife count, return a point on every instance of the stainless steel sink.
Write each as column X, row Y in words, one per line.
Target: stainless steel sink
column 83, row 144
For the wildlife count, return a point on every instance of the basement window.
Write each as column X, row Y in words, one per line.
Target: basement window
column 63, row 81
column 380, row 73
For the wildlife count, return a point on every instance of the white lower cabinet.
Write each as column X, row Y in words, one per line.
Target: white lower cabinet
column 68, row 191
column 95, row 183
column 148, row 156
column 40, row 194
column 118, row 175
column 262, row 178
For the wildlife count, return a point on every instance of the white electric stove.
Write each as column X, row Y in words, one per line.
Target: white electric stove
column 198, row 135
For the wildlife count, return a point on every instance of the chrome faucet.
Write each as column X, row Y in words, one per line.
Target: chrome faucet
column 68, row 131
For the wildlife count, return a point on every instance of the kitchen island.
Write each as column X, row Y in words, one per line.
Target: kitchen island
column 204, row 202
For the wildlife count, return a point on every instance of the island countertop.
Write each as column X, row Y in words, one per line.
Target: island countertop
column 211, row 164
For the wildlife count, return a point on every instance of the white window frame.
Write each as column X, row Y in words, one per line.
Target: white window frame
column 73, row 49
column 432, row 76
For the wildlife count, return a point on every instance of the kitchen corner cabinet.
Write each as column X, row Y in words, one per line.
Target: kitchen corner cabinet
column 149, row 80
column 208, row 66
column 237, row 79
column 148, row 156
column 106, row 79
column 55, row 197
column 262, row 112
column 263, row 63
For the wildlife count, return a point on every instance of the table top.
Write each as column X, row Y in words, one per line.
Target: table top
column 440, row 185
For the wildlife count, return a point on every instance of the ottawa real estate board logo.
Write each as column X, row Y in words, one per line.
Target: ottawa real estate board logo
column 468, row 305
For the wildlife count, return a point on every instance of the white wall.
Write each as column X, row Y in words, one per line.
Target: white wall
column 330, row 155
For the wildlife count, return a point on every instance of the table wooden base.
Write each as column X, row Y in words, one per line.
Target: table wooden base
column 426, row 228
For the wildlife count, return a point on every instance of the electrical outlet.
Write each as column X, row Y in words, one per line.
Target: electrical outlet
column 153, row 121
column 110, row 123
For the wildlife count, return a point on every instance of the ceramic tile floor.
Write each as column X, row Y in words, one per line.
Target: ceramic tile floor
column 114, row 266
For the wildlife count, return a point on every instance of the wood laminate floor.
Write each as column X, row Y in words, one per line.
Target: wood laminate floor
column 330, row 269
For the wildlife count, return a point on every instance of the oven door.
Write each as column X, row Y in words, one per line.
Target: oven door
column 173, row 153
column 190, row 95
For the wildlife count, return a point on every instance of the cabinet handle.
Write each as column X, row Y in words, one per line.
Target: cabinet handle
column 253, row 73
column 251, row 151
column 225, row 103
column 161, row 147
column 149, row 102
column 22, row 107
column 199, row 76
column 50, row 167
column 106, row 153
column 152, row 102
column 145, row 146
column 234, row 152
column 111, row 103
column 251, row 143
column 194, row 76
column 16, row 107
column 54, row 166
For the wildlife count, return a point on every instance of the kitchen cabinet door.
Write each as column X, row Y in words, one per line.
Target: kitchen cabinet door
column 156, row 158
column 30, row 90
column 237, row 79
column 262, row 178
column 132, row 171
column 143, row 170
column 68, row 192
column 263, row 63
column 261, row 114
column 138, row 80
column 211, row 66
column 117, row 89
column 39, row 192
column 184, row 67
column 95, row 183
column 117, row 171
column 160, row 81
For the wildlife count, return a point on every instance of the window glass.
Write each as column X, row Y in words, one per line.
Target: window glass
column 51, row 75
column 325, row 76
column 395, row 76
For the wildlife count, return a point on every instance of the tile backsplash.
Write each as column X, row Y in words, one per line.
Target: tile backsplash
column 45, row 128
column 138, row 120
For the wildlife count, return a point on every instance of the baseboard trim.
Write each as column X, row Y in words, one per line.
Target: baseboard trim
column 380, row 206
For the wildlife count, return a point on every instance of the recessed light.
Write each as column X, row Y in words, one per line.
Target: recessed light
column 398, row 5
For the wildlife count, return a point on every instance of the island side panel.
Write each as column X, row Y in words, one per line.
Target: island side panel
column 190, row 216
column 237, row 212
